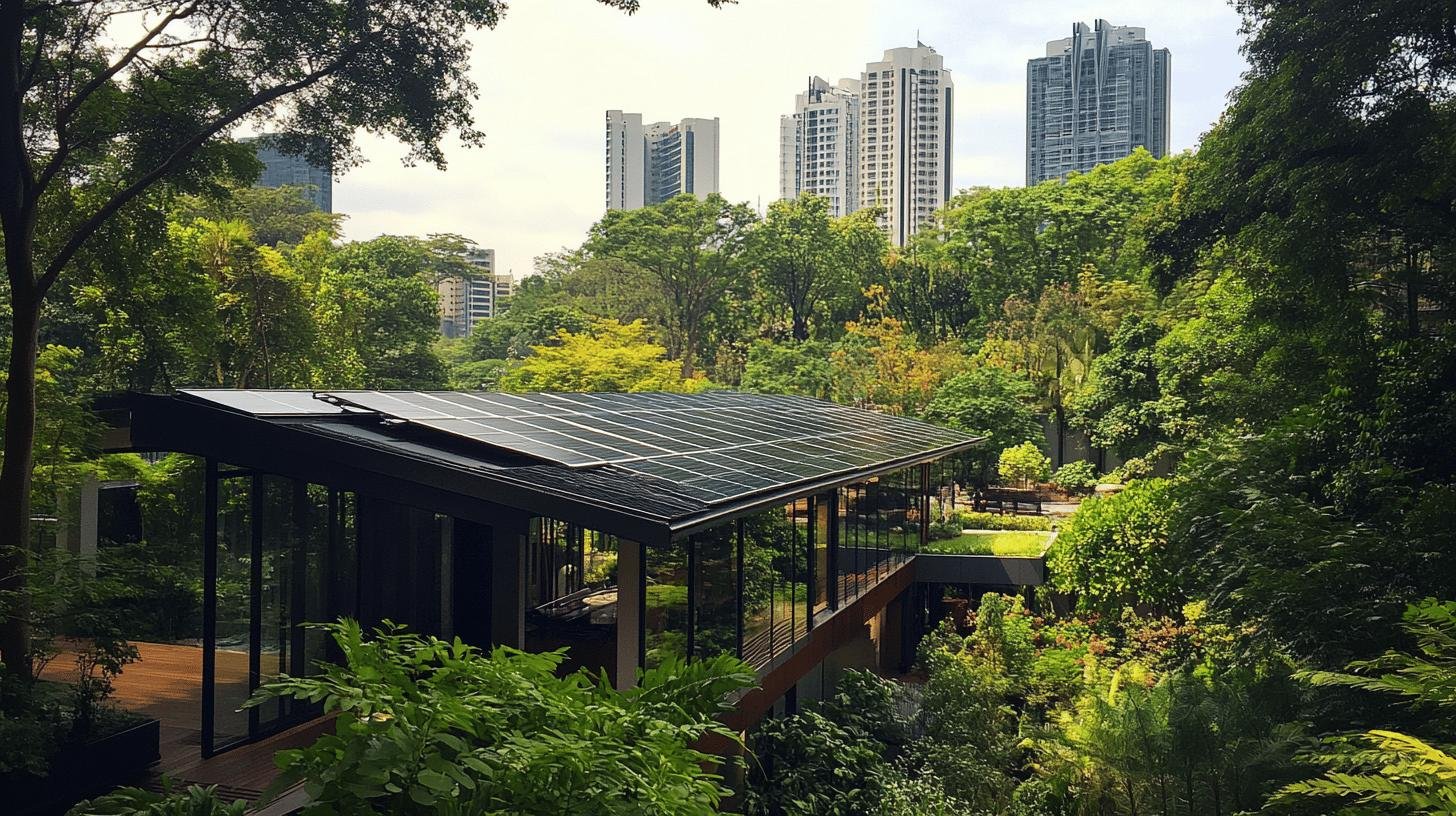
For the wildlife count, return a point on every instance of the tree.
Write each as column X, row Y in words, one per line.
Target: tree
column 1024, row 463
column 802, row 369
column 94, row 127
column 990, row 402
column 610, row 356
column 1118, row 406
column 878, row 363
column 1384, row 771
column 792, row 251
column 277, row 215
column 690, row 248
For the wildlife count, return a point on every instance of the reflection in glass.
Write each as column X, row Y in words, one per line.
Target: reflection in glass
column 234, row 562
column 665, row 622
column 715, row 592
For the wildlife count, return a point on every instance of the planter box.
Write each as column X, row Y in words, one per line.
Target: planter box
column 82, row 771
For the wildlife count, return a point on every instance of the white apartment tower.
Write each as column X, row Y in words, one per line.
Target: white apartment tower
column 905, row 138
column 648, row 164
column 819, row 145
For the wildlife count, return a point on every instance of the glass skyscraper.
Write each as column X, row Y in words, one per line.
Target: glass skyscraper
column 1095, row 97
column 286, row 170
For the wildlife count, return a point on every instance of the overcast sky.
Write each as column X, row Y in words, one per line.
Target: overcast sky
column 552, row 68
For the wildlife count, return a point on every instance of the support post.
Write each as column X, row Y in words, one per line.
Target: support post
column 631, row 586
column 508, row 581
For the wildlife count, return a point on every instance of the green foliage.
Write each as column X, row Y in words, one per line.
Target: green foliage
column 1383, row 771
column 865, row 702
column 277, row 215
column 990, row 402
column 511, row 335
column 971, row 520
column 798, row 368
column 1002, row 636
column 798, row 260
column 1118, row 405
column 1007, row 543
column 610, row 357
column 1024, row 463
column 427, row 726
column 969, row 729
column 809, row 765
column 194, row 800
column 690, row 250
column 1114, row 552
column 1076, row 477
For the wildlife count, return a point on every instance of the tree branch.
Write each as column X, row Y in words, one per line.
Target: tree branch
column 184, row 151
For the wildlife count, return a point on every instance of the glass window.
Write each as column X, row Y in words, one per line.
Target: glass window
column 665, row 622
column 775, row 594
column 715, row 618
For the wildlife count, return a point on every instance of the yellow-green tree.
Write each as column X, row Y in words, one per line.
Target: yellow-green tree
column 610, row 356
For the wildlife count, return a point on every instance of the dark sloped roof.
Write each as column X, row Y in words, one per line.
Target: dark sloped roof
column 669, row 459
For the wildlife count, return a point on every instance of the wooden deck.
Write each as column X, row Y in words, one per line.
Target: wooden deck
column 166, row 683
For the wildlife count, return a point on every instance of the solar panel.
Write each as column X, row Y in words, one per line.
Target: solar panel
column 715, row 446
column 264, row 403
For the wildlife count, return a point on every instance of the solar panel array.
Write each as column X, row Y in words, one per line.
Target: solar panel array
column 713, row 446
column 265, row 403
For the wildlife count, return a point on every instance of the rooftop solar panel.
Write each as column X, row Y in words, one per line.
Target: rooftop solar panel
column 715, row 446
column 265, row 403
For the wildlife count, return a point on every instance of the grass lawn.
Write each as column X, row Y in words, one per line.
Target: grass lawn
column 992, row 542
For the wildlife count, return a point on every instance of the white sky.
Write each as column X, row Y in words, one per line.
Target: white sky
column 552, row 68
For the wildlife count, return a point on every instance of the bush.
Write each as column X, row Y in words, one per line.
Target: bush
column 1003, row 636
column 971, row 520
column 944, row 529
column 1113, row 552
column 194, row 800
column 1024, row 463
column 427, row 726
column 1075, row 476
column 868, row 703
column 808, row 764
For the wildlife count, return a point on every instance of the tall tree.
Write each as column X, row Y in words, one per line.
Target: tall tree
column 109, row 105
column 690, row 248
column 797, row 258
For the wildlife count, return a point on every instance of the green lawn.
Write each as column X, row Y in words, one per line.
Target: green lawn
column 992, row 542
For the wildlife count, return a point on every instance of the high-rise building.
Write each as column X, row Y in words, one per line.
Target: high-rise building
column 905, row 138
column 1095, row 97
column 648, row 164
column 288, row 170
column 819, row 145
column 467, row 299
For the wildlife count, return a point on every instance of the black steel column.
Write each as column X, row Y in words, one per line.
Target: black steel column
column 209, row 606
column 255, row 599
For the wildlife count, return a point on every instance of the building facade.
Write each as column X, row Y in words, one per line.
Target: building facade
column 819, row 145
column 905, row 142
column 287, row 170
column 468, row 299
column 648, row 164
column 1094, row 98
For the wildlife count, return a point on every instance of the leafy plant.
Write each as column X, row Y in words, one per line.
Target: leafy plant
column 1383, row 771
column 1024, row 463
column 810, row 765
column 1114, row 551
column 428, row 726
column 1075, row 476
column 972, row 520
column 194, row 800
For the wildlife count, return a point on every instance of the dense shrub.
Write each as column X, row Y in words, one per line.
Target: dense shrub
column 427, row 725
column 808, row 764
column 972, row 520
column 1076, row 476
column 194, row 800
column 1113, row 552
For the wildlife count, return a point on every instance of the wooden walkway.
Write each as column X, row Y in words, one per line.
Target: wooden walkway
column 166, row 683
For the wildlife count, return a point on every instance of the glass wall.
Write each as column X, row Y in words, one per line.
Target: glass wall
column 282, row 555
column 571, row 593
column 714, row 592
column 665, row 619
column 776, row 608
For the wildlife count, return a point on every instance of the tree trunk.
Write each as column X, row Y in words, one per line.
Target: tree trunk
column 801, row 326
column 15, row 483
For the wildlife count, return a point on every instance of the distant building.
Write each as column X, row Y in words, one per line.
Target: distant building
column 1095, row 97
column 286, row 170
column 465, row 300
column 648, row 164
column 905, row 138
column 819, row 145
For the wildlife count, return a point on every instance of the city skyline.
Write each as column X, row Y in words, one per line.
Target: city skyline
column 734, row 65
